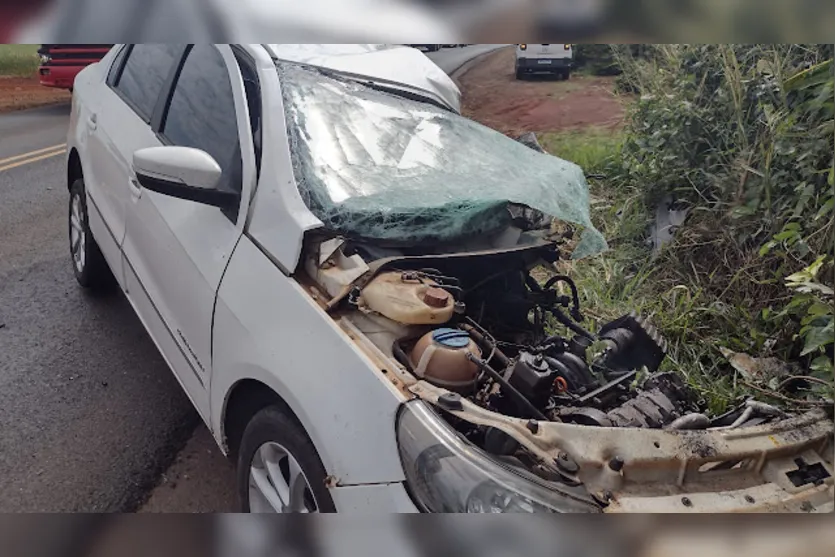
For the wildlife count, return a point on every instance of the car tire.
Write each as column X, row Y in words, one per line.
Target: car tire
column 274, row 449
column 566, row 74
column 88, row 263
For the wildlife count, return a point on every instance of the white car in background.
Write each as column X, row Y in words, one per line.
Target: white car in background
column 335, row 265
column 544, row 58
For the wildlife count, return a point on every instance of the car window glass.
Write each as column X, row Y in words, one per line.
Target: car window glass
column 202, row 112
column 252, row 89
column 113, row 76
column 144, row 75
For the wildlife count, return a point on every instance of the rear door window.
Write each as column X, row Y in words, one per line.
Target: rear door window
column 144, row 75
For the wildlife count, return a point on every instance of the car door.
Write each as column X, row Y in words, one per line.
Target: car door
column 118, row 123
column 175, row 250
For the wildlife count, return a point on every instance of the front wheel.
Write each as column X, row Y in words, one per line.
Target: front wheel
column 88, row 264
column 279, row 470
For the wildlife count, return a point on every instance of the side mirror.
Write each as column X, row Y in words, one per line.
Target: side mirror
column 184, row 173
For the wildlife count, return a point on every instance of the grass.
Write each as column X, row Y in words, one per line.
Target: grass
column 18, row 60
column 591, row 148
column 710, row 288
column 628, row 277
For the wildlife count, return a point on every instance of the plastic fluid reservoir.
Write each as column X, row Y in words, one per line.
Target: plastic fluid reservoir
column 440, row 357
column 408, row 300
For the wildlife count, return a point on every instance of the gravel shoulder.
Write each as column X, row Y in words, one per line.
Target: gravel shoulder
column 494, row 97
column 18, row 93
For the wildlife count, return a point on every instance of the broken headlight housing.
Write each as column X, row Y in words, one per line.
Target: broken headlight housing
column 446, row 473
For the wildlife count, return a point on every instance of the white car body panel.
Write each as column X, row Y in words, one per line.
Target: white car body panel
column 268, row 329
column 216, row 296
column 373, row 499
column 107, row 192
column 178, row 250
column 279, row 217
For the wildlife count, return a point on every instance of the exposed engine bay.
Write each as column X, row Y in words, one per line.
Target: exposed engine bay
column 490, row 335
column 502, row 355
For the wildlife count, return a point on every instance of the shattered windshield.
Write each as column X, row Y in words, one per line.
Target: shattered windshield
column 374, row 165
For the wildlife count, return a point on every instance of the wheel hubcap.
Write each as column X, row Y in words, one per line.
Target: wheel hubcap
column 78, row 237
column 277, row 483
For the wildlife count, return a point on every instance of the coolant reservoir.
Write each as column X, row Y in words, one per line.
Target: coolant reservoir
column 408, row 300
column 440, row 357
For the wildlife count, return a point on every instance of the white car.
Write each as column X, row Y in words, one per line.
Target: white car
column 544, row 58
column 335, row 265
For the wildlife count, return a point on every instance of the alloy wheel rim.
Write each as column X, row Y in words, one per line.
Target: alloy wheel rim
column 78, row 237
column 277, row 483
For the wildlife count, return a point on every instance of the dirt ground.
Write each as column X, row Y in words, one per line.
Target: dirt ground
column 17, row 93
column 494, row 97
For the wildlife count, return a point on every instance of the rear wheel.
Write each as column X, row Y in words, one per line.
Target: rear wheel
column 88, row 264
column 279, row 470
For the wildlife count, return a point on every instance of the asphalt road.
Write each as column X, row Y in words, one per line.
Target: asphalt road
column 90, row 416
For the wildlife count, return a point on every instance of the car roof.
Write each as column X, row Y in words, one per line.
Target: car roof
column 397, row 66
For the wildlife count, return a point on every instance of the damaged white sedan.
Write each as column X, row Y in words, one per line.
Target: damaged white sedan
column 337, row 267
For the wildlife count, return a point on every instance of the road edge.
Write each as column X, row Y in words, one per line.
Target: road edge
column 14, row 109
column 462, row 70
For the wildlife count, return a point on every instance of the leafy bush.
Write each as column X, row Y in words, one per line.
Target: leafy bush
column 744, row 135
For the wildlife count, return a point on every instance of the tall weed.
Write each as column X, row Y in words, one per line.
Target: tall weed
column 744, row 135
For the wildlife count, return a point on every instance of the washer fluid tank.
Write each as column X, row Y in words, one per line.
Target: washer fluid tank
column 440, row 357
column 408, row 300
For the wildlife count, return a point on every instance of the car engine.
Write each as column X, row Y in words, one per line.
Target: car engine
column 479, row 325
column 491, row 337
column 492, row 345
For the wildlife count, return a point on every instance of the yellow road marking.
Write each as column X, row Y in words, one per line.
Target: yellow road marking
column 34, row 159
column 32, row 153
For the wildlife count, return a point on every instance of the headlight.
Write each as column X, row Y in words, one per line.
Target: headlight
column 447, row 474
column 523, row 46
column 45, row 58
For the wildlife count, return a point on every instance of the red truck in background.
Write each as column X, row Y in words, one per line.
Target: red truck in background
column 60, row 63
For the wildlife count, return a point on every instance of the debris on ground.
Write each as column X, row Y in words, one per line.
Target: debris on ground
column 765, row 371
column 529, row 140
column 668, row 217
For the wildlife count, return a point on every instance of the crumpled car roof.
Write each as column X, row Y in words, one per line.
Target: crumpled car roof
column 398, row 65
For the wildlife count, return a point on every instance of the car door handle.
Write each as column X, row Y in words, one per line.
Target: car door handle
column 135, row 188
column 93, row 122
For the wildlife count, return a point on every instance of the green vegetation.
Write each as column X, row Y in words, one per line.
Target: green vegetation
column 19, row 60
column 594, row 149
column 744, row 137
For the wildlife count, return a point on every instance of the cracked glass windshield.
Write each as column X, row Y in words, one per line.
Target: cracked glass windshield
column 371, row 164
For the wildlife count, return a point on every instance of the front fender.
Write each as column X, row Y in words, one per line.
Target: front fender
column 267, row 328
